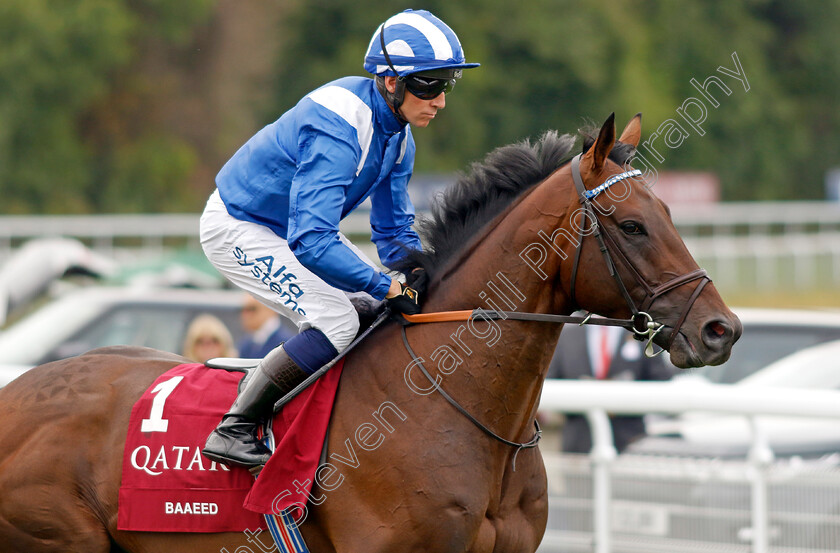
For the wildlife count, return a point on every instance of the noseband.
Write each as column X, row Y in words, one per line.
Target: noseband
column 643, row 323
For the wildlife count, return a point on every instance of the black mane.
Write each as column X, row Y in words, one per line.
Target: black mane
column 489, row 188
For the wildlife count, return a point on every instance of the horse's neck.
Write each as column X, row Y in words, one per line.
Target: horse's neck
column 508, row 359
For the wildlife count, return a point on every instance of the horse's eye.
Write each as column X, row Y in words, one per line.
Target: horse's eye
column 632, row 227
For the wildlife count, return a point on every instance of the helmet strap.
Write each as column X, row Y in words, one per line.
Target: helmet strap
column 390, row 97
column 394, row 99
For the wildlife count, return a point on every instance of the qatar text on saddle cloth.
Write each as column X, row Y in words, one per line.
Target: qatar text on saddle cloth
column 168, row 486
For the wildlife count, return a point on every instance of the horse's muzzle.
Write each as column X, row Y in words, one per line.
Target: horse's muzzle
column 711, row 344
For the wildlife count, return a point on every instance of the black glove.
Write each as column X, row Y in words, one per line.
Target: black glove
column 367, row 308
column 405, row 302
column 418, row 279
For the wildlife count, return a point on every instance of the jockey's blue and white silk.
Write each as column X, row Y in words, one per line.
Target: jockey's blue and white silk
column 301, row 175
column 416, row 41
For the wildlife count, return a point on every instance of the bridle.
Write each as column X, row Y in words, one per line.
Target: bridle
column 643, row 324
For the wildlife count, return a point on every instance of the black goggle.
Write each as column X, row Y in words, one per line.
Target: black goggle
column 427, row 88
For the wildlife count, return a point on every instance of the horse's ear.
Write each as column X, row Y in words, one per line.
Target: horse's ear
column 599, row 151
column 632, row 133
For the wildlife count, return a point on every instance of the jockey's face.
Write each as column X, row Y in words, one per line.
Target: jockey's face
column 417, row 112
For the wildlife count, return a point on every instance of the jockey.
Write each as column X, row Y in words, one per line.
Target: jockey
column 271, row 226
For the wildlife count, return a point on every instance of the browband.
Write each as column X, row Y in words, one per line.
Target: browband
column 609, row 182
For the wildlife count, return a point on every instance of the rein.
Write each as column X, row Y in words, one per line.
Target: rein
column 452, row 316
column 519, row 446
column 456, row 316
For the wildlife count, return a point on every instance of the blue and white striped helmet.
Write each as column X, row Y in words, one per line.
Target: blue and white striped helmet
column 416, row 41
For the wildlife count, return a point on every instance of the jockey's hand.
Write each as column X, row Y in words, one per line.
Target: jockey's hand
column 402, row 299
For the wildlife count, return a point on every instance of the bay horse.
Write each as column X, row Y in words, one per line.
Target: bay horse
column 511, row 236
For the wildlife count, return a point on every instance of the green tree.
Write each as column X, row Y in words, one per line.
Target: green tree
column 560, row 63
column 63, row 68
column 124, row 105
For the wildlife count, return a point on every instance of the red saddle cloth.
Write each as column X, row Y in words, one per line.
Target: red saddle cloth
column 168, row 486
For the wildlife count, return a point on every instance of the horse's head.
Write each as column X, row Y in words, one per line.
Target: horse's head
column 655, row 272
column 558, row 216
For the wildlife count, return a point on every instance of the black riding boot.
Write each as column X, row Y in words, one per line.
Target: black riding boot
column 234, row 441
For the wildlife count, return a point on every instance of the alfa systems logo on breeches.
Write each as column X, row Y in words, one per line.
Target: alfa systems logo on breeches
column 279, row 281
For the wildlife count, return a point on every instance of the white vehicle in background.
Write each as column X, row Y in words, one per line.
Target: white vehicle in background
column 93, row 317
column 52, row 259
column 769, row 335
column 705, row 435
column 772, row 337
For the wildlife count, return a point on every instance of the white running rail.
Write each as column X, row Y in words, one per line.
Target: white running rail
column 596, row 399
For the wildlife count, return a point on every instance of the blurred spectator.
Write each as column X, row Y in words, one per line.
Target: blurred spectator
column 603, row 353
column 208, row 337
column 264, row 327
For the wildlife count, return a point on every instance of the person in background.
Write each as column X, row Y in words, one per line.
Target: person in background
column 264, row 329
column 595, row 352
column 208, row 337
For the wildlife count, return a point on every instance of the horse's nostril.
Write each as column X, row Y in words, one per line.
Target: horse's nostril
column 717, row 328
column 715, row 333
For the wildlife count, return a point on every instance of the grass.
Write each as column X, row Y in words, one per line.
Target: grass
column 784, row 299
